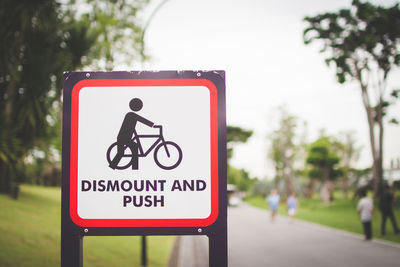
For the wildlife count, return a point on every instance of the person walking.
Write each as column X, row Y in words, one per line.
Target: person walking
column 386, row 206
column 292, row 206
column 365, row 208
column 273, row 202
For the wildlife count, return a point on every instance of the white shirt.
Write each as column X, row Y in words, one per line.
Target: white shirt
column 365, row 207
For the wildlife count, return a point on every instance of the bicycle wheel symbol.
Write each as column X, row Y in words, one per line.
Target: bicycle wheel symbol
column 167, row 155
column 126, row 160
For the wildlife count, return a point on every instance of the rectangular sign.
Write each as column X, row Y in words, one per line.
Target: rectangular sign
column 144, row 152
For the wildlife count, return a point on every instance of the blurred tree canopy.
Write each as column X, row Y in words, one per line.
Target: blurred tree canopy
column 363, row 43
column 240, row 178
column 285, row 149
column 323, row 156
column 41, row 40
column 236, row 135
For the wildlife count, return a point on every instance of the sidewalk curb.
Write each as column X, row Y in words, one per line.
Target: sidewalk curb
column 174, row 256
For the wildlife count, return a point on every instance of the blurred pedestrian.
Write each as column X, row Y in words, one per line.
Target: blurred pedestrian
column 273, row 202
column 365, row 209
column 386, row 206
column 292, row 205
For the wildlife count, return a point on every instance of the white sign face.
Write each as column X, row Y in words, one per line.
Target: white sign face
column 142, row 154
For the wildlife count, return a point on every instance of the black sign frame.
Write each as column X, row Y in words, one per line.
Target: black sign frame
column 72, row 234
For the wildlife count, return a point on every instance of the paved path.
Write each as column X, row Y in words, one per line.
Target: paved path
column 253, row 241
column 190, row 251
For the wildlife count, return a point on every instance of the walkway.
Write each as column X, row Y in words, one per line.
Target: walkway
column 254, row 241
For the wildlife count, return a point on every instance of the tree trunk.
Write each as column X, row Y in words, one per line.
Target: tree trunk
column 377, row 169
column 326, row 191
column 2, row 177
column 345, row 187
column 288, row 181
column 376, row 177
column 376, row 164
column 277, row 178
column 289, row 185
column 5, row 180
column 380, row 148
column 310, row 188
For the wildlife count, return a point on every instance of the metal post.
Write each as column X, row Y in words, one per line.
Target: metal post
column 71, row 250
column 144, row 251
column 218, row 250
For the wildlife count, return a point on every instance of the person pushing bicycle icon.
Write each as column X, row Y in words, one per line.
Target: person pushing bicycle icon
column 167, row 155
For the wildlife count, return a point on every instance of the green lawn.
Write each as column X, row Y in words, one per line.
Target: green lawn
column 340, row 214
column 30, row 235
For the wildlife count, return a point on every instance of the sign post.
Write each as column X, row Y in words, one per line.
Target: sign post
column 144, row 153
column 144, row 251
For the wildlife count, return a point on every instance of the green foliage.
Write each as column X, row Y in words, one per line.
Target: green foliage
column 30, row 235
column 363, row 43
column 31, row 58
column 240, row 178
column 237, row 177
column 41, row 40
column 285, row 149
column 322, row 154
column 314, row 173
column 357, row 38
column 394, row 97
column 116, row 27
column 235, row 135
column 262, row 188
column 257, row 201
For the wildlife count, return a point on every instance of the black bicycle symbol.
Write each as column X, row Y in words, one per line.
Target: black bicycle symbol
column 167, row 154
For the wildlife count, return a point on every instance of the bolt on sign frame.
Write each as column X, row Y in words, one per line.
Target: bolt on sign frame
column 186, row 198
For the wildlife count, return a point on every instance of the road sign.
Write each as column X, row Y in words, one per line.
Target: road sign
column 144, row 153
column 173, row 130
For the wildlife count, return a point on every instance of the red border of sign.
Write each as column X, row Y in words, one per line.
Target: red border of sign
column 143, row 222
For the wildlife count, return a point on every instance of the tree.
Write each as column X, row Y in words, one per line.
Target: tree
column 40, row 40
column 240, row 178
column 262, row 188
column 363, row 44
column 284, row 150
column 236, row 135
column 118, row 30
column 322, row 155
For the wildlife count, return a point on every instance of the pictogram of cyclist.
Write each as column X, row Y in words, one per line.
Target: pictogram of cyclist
column 167, row 154
column 128, row 132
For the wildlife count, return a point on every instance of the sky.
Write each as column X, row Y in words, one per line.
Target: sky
column 259, row 44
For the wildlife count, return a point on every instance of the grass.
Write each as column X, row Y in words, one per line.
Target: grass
column 341, row 214
column 30, row 235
